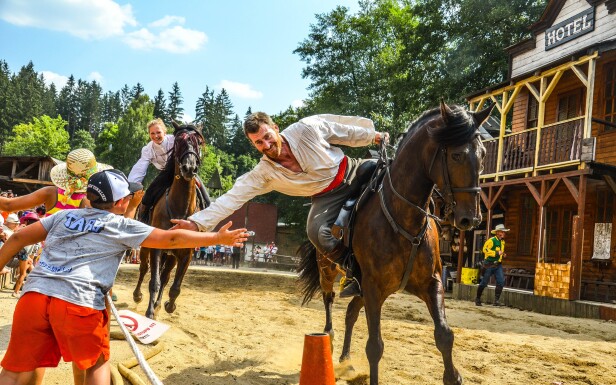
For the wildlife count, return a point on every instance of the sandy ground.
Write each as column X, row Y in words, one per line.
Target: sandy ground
column 239, row 327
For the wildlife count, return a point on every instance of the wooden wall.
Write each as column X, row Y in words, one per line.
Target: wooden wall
column 606, row 140
column 561, row 197
column 605, row 23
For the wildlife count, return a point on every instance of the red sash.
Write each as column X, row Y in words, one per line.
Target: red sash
column 337, row 179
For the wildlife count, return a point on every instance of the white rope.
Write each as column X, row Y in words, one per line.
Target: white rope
column 142, row 362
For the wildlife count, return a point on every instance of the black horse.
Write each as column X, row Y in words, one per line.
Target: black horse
column 179, row 201
column 395, row 239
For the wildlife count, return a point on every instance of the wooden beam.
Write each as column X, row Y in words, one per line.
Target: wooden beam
column 553, row 83
column 25, row 170
column 533, row 90
column 480, row 104
column 497, row 195
column 581, row 75
column 610, row 182
column 33, row 181
column 539, row 178
column 547, row 196
column 511, row 100
column 497, row 103
column 575, row 284
column 485, row 199
column 572, row 189
column 534, row 193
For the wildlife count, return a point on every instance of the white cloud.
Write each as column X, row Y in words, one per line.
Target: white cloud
column 57, row 79
column 241, row 90
column 86, row 19
column 96, row 76
column 174, row 40
column 297, row 103
column 167, row 21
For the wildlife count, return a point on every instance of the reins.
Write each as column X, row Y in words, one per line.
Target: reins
column 448, row 197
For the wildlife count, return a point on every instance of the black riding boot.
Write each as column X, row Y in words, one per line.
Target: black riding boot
column 478, row 298
column 145, row 214
column 497, row 295
column 352, row 286
column 204, row 195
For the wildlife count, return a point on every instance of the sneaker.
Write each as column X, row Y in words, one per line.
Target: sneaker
column 351, row 289
column 16, row 295
column 478, row 302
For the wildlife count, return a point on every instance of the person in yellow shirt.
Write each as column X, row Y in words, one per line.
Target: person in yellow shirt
column 493, row 254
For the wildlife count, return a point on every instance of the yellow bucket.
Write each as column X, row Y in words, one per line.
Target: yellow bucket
column 469, row 276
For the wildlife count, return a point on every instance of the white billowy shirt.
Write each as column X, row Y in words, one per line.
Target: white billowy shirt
column 311, row 141
column 151, row 153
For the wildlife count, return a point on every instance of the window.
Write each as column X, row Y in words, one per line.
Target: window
column 558, row 222
column 528, row 208
column 569, row 106
column 610, row 95
column 532, row 112
column 605, row 207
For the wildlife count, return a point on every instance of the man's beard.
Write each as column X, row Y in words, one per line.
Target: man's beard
column 275, row 151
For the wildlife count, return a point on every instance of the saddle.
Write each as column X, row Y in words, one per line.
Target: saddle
column 369, row 174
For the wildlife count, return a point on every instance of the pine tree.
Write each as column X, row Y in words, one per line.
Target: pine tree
column 175, row 110
column 160, row 106
column 67, row 104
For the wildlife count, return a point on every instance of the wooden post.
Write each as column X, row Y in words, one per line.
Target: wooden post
column 501, row 133
column 461, row 255
column 575, row 284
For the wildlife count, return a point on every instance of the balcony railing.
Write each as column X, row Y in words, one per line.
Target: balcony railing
column 558, row 143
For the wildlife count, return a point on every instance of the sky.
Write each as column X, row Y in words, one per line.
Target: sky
column 243, row 46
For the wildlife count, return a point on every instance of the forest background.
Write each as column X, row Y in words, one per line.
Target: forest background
column 390, row 62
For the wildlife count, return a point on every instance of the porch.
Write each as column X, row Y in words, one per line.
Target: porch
column 526, row 300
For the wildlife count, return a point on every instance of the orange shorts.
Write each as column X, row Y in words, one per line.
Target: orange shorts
column 47, row 328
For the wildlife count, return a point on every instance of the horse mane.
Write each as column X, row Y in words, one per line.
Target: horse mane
column 459, row 128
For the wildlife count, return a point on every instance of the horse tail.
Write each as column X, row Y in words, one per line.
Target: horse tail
column 308, row 270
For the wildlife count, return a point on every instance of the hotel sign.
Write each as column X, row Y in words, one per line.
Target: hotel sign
column 570, row 29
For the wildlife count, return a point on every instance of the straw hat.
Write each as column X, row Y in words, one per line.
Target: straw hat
column 12, row 218
column 73, row 175
column 499, row 227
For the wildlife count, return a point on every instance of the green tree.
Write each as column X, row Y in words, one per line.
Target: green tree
column 111, row 108
column 82, row 139
column 68, row 104
column 175, row 109
column 104, row 143
column 131, row 133
column 5, row 96
column 43, row 137
column 160, row 106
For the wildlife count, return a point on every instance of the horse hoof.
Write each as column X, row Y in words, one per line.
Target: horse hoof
column 137, row 297
column 169, row 307
column 456, row 379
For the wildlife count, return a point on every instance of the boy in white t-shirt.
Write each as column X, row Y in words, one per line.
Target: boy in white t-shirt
column 62, row 311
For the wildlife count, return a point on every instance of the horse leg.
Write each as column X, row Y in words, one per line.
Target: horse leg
column 180, row 272
column 352, row 313
column 143, row 269
column 155, row 256
column 168, row 265
column 443, row 335
column 327, row 276
column 374, row 347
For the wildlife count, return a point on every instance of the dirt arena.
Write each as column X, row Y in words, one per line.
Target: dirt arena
column 238, row 327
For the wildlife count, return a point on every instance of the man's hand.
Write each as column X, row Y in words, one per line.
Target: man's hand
column 184, row 224
column 380, row 136
column 235, row 237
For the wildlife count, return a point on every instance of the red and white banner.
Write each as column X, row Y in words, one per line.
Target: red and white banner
column 145, row 329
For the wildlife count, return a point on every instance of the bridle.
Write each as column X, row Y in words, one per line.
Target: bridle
column 447, row 195
column 191, row 140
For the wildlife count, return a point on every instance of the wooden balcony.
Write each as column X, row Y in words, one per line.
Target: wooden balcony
column 559, row 145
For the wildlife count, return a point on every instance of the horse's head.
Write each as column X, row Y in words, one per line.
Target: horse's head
column 457, row 163
column 187, row 149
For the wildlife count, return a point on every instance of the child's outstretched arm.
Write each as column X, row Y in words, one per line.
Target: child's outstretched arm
column 184, row 239
column 27, row 236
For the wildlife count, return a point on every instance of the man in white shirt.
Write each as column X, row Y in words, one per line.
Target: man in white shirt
column 156, row 153
column 300, row 161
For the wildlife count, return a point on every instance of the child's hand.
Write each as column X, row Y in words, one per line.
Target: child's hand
column 136, row 199
column 235, row 237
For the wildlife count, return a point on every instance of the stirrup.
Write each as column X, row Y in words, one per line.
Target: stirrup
column 352, row 288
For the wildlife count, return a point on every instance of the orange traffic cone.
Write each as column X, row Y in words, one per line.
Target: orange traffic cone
column 317, row 366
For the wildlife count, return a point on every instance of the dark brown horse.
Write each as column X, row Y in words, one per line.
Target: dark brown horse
column 396, row 239
column 178, row 202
